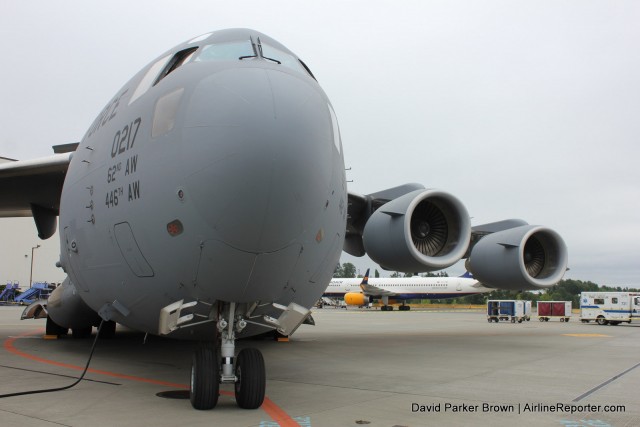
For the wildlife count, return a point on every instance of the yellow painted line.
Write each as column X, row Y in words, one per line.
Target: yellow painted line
column 587, row 335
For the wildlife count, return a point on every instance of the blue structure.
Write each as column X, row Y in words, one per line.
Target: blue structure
column 8, row 295
column 36, row 292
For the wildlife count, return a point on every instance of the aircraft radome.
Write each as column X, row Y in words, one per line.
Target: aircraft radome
column 208, row 201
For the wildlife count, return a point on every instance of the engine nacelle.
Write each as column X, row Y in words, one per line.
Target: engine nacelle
column 424, row 230
column 525, row 257
column 67, row 309
column 356, row 298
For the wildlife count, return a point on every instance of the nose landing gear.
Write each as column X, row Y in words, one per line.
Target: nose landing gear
column 213, row 364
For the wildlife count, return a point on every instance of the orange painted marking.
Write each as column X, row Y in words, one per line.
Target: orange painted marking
column 587, row 335
column 271, row 409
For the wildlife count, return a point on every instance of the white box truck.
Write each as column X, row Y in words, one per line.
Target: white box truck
column 609, row 307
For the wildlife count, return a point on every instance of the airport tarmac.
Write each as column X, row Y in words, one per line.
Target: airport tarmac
column 355, row 367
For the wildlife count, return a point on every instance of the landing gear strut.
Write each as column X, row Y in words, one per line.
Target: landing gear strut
column 213, row 364
column 385, row 304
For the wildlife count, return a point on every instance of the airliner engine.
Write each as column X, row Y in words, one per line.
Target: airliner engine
column 424, row 230
column 525, row 257
column 356, row 298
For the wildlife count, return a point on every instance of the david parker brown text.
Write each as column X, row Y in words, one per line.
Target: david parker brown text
column 520, row 408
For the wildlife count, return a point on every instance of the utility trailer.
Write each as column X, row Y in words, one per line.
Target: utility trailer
column 508, row 310
column 609, row 307
column 554, row 310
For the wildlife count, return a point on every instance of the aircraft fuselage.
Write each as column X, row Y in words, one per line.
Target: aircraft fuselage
column 215, row 174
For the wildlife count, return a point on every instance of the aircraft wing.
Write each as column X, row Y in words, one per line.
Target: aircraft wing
column 375, row 291
column 33, row 188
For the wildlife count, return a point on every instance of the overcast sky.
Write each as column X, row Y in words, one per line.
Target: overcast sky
column 521, row 109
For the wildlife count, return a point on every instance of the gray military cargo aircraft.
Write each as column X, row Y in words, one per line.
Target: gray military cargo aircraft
column 208, row 201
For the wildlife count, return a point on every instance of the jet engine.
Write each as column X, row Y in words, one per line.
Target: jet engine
column 525, row 257
column 67, row 309
column 424, row 230
column 356, row 298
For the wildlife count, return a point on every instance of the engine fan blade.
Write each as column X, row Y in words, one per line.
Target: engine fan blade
column 429, row 229
column 534, row 257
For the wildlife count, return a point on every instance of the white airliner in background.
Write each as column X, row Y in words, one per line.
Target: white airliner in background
column 361, row 291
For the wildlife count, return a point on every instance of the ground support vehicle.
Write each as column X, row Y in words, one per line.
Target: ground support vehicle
column 554, row 310
column 508, row 310
column 609, row 308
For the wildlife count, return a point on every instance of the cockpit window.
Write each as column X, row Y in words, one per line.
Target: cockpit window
column 250, row 49
column 226, row 51
column 178, row 60
column 273, row 54
column 149, row 78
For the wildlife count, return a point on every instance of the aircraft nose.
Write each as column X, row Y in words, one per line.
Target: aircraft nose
column 258, row 147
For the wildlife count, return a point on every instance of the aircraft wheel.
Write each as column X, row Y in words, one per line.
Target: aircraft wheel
column 205, row 378
column 251, row 383
column 108, row 330
column 52, row 328
column 81, row 333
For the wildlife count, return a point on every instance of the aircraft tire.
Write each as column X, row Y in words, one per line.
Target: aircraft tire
column 205, row 379
column 82, row 333
column 251, row 383
column 52, row 328
column 108, row 330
